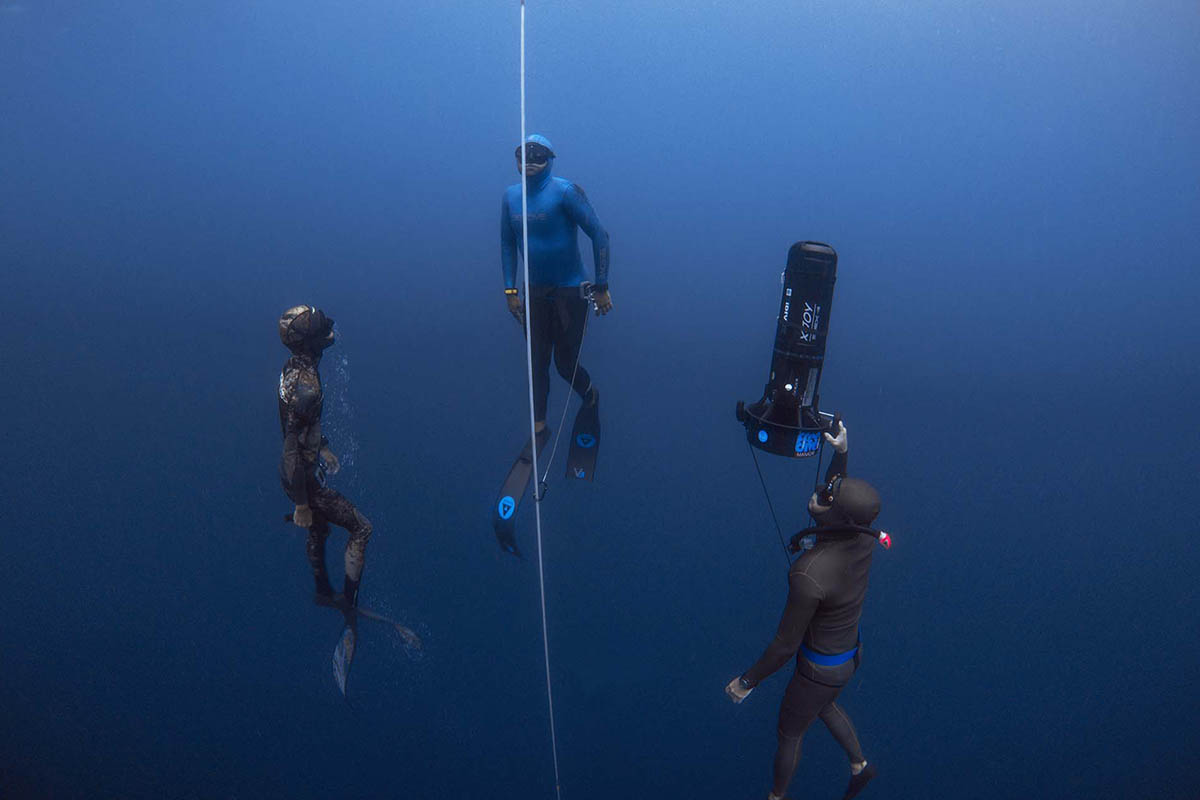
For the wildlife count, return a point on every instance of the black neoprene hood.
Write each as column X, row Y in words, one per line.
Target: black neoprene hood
column 857, row 500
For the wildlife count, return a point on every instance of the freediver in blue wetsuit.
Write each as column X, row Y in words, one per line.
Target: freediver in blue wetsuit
column 558, row 208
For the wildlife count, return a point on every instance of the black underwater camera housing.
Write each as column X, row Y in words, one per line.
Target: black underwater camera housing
column 787, row 421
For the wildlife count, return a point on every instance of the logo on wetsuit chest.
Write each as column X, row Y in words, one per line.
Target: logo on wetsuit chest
column 506, row 507
column 585, row 440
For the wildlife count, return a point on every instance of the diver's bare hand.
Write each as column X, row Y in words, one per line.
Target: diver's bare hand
column 840, row 443
column 302, row 517
column 332, row 465
column 602, row 300
column 737, row 693
column 516, row 307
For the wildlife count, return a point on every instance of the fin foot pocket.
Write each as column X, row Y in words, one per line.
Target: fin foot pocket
column 858, row 782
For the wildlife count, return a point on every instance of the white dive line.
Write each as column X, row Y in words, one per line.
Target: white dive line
column 537, row 493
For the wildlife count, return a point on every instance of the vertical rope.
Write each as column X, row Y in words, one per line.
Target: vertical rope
column 537, row 493
column 786, row 555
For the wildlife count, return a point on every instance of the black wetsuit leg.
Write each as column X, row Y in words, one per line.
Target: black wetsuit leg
column 838, row 722
column 543, row 320
column 572, row 314
column 556, row 323
column 803, row 702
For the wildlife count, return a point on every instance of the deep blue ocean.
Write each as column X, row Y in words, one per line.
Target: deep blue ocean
column 1013, row 188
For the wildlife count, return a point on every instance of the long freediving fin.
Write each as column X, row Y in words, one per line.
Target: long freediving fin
column 585, row 443
column 410, row 637
column 343, row 657
column 511, row 492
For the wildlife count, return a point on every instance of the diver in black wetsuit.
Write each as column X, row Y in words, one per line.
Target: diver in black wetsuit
column 307, row 332
column 826, row 588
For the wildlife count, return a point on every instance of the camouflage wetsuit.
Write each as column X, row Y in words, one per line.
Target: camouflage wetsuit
column 300, row 404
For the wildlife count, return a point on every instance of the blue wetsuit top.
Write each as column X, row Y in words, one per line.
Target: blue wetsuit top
column 557, row 209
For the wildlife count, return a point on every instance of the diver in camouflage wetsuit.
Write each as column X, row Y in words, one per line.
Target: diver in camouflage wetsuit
column 307, row 332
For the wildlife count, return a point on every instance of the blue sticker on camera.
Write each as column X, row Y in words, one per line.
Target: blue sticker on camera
column 808, row 442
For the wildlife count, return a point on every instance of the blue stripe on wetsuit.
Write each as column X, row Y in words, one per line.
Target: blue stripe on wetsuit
column 557, row 210
column 824, row 660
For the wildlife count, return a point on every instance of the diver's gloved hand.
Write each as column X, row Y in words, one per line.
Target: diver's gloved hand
column 302, row 517
column 332, row 465
column 602, row 300
column 839, row 443
column 516, row 307
column 737, row 690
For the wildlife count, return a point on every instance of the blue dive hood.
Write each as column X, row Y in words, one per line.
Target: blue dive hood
column 542, row 178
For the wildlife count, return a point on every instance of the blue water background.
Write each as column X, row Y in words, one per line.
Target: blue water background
column 1013, row 189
